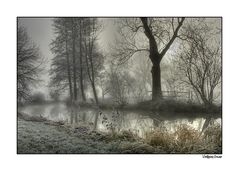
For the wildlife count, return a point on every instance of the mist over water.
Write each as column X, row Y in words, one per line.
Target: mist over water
column 139, row 122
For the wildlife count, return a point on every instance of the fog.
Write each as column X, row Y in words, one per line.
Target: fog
column 153, row 82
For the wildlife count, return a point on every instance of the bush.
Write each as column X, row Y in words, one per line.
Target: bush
column 37, row 98
column 173, row 106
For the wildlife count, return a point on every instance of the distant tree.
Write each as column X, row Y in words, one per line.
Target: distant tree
column 80, row 26
column 200, row 60
column 93, row 57
column 120, row 85
column 143, row 78
column 77, row 59
column 55, row 95
column 29, row 63
column 61, row 67
column 37, row 98
column 103, row 80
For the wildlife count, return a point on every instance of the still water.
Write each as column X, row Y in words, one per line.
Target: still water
column 138, row 122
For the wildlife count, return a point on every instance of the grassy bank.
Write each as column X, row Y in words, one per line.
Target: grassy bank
column 39, row 138
column 38, row 135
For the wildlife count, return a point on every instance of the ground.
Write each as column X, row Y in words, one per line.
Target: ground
column 40, row 137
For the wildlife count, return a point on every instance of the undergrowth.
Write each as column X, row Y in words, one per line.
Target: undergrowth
column 187, row 140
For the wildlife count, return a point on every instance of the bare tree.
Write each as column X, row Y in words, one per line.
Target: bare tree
column 73, row 37
column 121, row 85
column 200, row 61
column 103, row 79
column 93, row 57
column 81, row 65
column 61, row 72
column 54, row 95
column 160, row 33
column 28, row 64
column 143, row 83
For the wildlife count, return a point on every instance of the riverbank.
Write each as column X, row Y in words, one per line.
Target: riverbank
column 36, row 135
column 178, row 108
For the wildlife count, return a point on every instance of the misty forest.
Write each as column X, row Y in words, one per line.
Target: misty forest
column 119, row 85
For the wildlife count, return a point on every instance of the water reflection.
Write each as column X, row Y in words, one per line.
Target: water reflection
column 111, row 120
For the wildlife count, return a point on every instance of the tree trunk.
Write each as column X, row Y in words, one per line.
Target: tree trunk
column 96, row 121
column 93, row 77
column 95, row 93
column 90, row 72
column 69, row 77
column 156, row 82
column 103, row 95
column 74, row 60
column 68, row 68
column 82, row 88
column 81, row 69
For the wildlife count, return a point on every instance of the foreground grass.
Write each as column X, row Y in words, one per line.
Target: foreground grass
column 37, row 135
column 42, row 137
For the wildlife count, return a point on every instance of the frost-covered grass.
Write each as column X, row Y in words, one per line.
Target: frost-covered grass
column 37, row 135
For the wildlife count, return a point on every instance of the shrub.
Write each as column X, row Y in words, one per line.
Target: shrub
column 185, row 134
column 159, row 137
column 213, row 135
column 37, row 98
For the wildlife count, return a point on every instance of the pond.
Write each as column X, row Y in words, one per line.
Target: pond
column 138, row 122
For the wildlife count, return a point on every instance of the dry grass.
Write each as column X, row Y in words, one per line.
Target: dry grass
column 122, row 136
column 187, row 140
column 159, row 137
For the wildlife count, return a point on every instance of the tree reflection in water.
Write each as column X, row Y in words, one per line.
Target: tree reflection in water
column 138, row 122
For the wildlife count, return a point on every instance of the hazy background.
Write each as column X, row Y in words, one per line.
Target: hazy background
column 41, row 32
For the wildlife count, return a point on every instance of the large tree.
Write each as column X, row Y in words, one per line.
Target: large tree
column 73, row 38
column 160, row 34
column 93, row 57
column 61, row 67
column 80, row 23
column 28, row 64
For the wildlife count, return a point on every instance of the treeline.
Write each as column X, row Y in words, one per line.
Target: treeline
column 78, row 59
column 192, row 47
column 130, row 70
